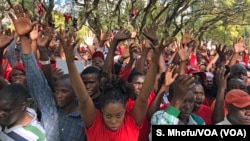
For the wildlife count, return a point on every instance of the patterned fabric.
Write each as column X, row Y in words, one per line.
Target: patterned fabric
column 169, row 116
column 31, row 132
column 58, row 125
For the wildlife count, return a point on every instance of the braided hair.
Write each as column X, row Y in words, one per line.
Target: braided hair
column 117, row 90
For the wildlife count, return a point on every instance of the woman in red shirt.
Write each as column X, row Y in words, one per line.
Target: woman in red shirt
column 112, row 122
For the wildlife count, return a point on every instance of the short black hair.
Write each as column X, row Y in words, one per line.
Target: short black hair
column 14, row 93
column 133, row 74
column 92, row 70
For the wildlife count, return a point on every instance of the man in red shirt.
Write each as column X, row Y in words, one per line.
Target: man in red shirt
column 67, row 17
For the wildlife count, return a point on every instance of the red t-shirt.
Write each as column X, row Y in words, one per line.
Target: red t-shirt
column 129, row 131
column 145, row 130
column 205, row 113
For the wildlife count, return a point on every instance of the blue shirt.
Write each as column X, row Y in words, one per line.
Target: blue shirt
column 58, row 125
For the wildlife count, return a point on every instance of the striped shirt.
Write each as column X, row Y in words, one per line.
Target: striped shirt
column 31, row 132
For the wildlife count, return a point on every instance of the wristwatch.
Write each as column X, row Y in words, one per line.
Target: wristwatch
column 45, row 62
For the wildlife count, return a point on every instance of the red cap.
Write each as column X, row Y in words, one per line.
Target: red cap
column 238, row 98
column 98, row 54
column 20, row 67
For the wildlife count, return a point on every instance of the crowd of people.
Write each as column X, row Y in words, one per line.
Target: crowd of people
column 127, row 85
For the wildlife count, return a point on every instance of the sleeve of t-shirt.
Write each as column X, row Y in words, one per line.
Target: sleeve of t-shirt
column 125, row 72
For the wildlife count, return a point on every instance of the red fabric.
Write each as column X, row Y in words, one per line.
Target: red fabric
column 208, row 101
column 205, row 113
column 193, row 61
column 245, row 60
column 20, row 67
column 98, row 54
column 164, row 106
column 67, row 16
column 99, row 132
column 40, row 9
column 7, row 70
column 145, row 130
column 125, row 72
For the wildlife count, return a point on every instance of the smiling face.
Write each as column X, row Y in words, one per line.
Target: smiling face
column 199, row 96
column 113, row 115
column 18, row 77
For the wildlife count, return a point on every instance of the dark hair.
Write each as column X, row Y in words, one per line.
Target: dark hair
column 134, row 74
column 92, row 70
column 62, row 78
column 117, row 91
column 14, row 93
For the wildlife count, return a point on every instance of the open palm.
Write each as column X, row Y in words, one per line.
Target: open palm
column 21, row 20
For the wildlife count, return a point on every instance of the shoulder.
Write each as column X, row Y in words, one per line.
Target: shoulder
column 198, row 119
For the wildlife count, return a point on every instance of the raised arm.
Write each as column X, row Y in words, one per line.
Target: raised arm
column 169, row 79
column 141, row 102
column 238, row 48
column 218, row 111
column 108, row 64
column 86, row 105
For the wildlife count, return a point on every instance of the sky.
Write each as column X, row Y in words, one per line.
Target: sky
column 64, row 6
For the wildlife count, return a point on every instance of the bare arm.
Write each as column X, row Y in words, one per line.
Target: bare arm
column 218, row 111
column 86, row 105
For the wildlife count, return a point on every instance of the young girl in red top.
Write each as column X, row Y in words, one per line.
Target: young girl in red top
column 112, row 122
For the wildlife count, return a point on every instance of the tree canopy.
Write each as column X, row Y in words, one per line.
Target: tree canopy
column 211, row 19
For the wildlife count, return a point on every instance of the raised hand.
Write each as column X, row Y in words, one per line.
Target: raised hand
column 239, row 45
column 53, row 42
column 57, row 73
column 122, row 35
column 222, row 51
column 183, row 84
column 21, row 20
column 68, row 43
column 186, row 37
column 34, row 33
column 169, row 77
column 184, row 54
column 150, row 33
column 221, row 78
column 5, row 40
column 44, row 38
column 105, row 36
column 134, row 50
column 133, row 34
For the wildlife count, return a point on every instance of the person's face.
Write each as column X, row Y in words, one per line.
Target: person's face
column 91, row 83
column 18, row 77
column 64, row 93
column 113, row 115
column 208, row 83
column 9, row 113
column 199, row 96
column 237, row 84
column 98, row 62
column 239, row 116
column 239, row 72
column 187, row 107
column 202, row 68
column 248, row 78
column 137, row 83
